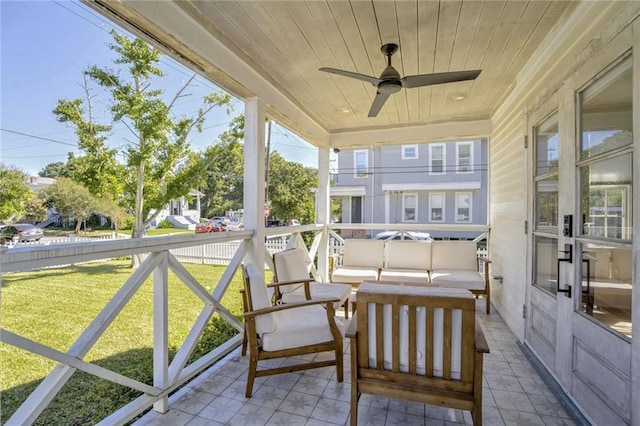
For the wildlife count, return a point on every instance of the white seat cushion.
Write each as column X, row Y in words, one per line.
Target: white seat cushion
column 297, row 327
column 320, row 291
column 354, row 275
column 412, row 276
column 456, row 278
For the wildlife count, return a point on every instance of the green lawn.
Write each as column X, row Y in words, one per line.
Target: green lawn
column 63, row 232
column 54, row 306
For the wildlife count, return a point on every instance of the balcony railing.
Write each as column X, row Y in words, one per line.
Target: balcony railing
column 161, row 255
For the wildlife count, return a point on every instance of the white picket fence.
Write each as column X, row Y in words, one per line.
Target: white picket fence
column 222, row 253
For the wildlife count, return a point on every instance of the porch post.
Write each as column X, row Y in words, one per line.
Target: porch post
column 254, row 179
column 323, row 212
column 161, row 330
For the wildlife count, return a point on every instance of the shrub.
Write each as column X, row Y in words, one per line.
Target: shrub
column 127, row 222
column 164, row 224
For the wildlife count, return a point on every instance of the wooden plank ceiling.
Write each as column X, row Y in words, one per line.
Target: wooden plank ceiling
column 287, row 41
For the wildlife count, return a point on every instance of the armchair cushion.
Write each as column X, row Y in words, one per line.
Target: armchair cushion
column 302, row 326
column 291, row 265
column 260, row 299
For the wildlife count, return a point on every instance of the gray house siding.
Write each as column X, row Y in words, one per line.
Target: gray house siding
column 388, row 178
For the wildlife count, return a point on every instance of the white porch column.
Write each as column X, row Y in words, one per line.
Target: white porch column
column 254, row 169
column 323, row 212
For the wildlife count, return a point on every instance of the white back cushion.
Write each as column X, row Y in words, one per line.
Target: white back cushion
column 363, row 253
column 409, row 255
column 260, row 299
column 291, row 265
column 454, row 255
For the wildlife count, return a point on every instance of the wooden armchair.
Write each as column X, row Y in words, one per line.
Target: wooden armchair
column 292, row 282
column 418, row 344
column 285, row 330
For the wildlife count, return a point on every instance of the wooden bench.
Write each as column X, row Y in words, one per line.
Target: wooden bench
column 418, row 344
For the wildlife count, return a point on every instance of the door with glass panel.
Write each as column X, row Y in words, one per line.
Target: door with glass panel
column 602, row 332
column 580, row 301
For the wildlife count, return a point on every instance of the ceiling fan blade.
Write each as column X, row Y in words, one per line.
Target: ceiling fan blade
column 368, row 79
column 378, row 102
column 438, row 78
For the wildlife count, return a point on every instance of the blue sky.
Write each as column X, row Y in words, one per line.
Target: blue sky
column 45, row 46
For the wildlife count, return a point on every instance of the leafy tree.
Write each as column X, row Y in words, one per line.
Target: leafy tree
column 158, row 165
column 53, row 170
column 224, row 166
column 15, row 195
column 98, row 169
column 290, row 186
column 117, row 213
column 71, row 200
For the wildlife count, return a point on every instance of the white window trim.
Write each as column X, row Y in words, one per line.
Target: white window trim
column 458, row 145
column 444, row 158
column 415, row 196
column 355, row 163
column 468, row 194
column 405, row 157
column 444, row 203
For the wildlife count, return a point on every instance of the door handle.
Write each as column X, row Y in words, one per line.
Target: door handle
column 568, row 252
column 586, row 294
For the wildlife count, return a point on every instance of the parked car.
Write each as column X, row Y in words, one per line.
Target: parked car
column 222, row 219
column 276, row 222
column 209, row 226
column 21, row 232
column 397, row 235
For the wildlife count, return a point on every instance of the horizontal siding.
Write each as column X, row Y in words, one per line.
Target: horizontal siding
column 507, row 201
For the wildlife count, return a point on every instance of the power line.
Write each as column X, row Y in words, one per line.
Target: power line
column 38, row 137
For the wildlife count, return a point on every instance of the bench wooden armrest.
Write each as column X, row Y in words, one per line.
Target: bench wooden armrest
column 352, row 328
column 481, row 341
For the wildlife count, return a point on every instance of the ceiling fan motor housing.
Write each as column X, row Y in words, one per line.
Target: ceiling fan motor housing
column 389, row 86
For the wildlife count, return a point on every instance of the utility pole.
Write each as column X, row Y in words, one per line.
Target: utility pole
column 266, row 168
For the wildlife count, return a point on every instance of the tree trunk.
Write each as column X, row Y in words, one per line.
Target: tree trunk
column 138, row 225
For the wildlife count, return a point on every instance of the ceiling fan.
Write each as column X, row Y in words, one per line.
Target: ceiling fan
column 390, row 82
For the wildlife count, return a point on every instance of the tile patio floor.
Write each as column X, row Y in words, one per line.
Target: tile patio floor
column 514, row 394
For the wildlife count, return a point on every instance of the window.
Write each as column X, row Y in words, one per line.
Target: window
column 545, row 204
column 436, row 207
column 409, row 152
column 546, row 174
column 545, row 274
column 605, row 194
column 361, row 163
column 463, row 207
column 606, row 159
column 409, row 207
column 436, row 158
column 464, row 157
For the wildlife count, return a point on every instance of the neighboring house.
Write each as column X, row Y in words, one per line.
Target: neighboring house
column 180, row 212
column 422, row 183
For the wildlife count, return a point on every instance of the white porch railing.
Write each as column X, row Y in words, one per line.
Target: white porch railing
column 163, row 255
